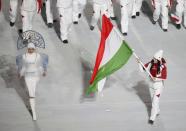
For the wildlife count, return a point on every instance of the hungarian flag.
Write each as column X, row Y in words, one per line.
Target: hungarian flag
column 112, row 54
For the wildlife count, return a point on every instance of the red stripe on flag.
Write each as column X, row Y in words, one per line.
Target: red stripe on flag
column 106, row 29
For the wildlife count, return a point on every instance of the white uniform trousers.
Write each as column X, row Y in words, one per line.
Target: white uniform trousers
column 99, row 10
column 136, row 6
column 31, row 83
column 78, row 7
column 27, row 19
column 13, row 10
column 181, row 10
column 49, row 11
column 124, row 16
column 65, row 21
column 161, row 6
column 156, row 92
column 110, row 8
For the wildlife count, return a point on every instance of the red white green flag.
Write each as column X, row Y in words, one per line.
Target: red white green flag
column 112, row 54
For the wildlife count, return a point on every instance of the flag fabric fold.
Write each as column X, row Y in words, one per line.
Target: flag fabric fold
column 112, row 54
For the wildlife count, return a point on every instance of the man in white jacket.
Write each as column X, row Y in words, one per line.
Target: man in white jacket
column 181, row 12
column 136, row 7
column 13, row 11
column 124, row 16
column 78, row 7
column 161, row 7
column 65, row 14
column 28, row 10
column 30, row 66
column 111, row 9
column 50, row 12
column 100, row 7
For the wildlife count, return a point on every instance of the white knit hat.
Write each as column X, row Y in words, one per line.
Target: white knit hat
column 158, row 55
column 31, row 45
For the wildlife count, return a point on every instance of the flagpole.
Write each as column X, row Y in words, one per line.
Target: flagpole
column 146, row 70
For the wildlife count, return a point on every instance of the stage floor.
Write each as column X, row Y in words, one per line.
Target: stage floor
column 125, row 102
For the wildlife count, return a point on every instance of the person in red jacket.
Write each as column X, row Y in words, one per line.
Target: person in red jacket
column 158, row 70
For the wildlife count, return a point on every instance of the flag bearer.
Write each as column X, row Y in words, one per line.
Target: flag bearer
column 158, row 70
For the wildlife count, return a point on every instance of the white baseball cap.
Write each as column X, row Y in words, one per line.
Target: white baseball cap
column 158, row 55
column 31, row 45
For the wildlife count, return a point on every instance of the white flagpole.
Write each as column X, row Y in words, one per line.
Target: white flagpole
column 146, row 70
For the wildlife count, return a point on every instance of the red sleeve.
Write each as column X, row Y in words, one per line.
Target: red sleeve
column 164, row 72
column 146, row 65
column 39, row 5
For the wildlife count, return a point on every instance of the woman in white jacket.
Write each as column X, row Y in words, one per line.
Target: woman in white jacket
column 31, row 65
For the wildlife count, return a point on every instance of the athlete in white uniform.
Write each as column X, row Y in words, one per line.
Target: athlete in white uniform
column 65, row 14
column 13, row 11
column 181, row 12
column 124, row 16
column 78, row 7
column 158, row 70
column 161, row 6
column 50, row 11
column 136, row 6
column 111, row 9
column 99, row 8
column 28, row 10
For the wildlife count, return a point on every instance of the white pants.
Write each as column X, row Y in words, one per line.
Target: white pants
column 65, row 21
column 110, row 8
column 27, row 19
column 78, row 7
column 49, row 11
column 181, row 10
column 124, row 17
column 161, row 6
column 136, row 6
column 31, row 83
column 13, row 10
column 99, row 10
column 156, row 92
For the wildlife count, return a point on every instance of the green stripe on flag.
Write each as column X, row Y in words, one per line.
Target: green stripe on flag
column 117, row 61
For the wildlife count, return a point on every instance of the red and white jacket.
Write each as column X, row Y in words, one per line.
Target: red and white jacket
column 154, row 67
